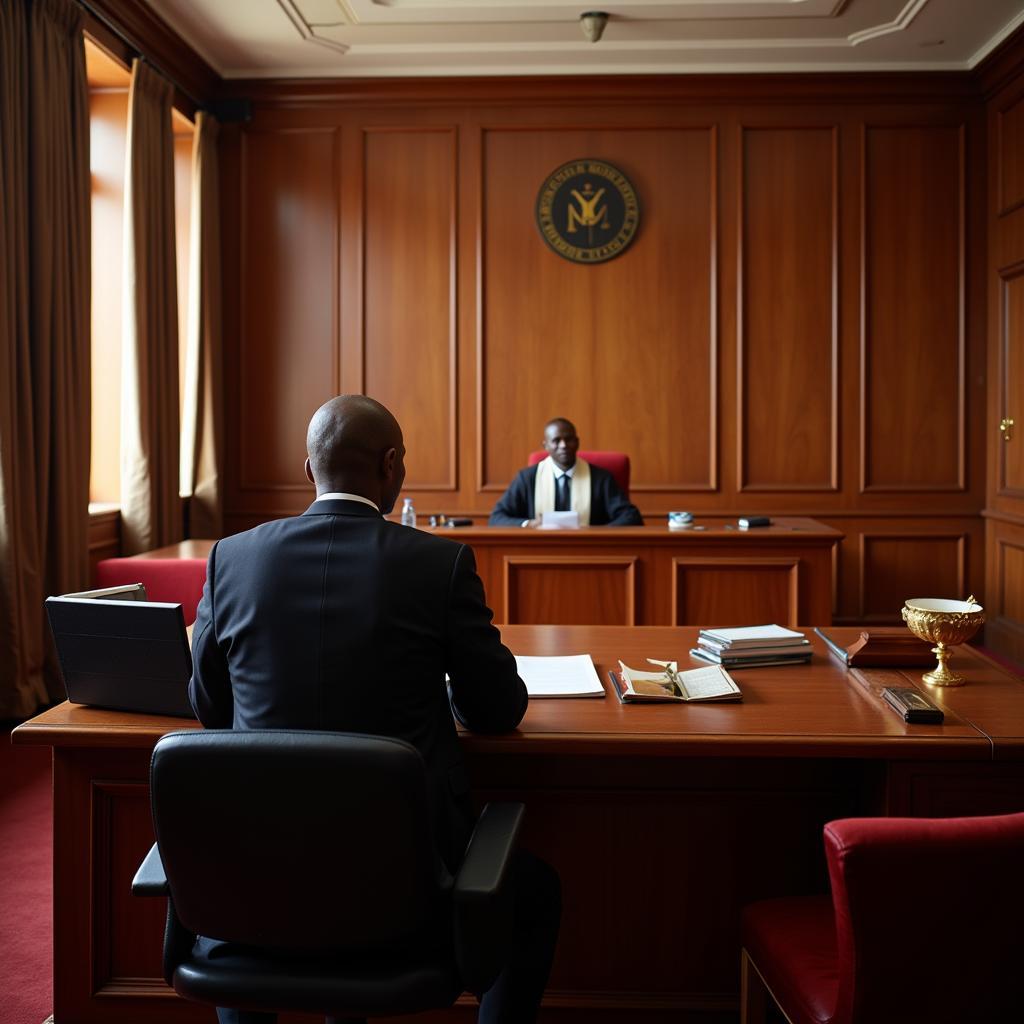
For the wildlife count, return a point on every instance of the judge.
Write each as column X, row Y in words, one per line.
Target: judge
column 564, row 483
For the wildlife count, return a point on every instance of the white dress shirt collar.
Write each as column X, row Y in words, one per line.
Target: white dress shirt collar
column 344, row 496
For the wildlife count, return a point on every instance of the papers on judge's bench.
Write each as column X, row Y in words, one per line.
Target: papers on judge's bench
column 571, row 675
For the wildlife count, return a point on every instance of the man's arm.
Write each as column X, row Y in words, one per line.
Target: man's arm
column 487, row 693
column 621, row 511
column 513, row 506
column 209, row 689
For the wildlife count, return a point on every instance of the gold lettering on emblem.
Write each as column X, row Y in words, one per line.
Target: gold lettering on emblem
column 589, row 215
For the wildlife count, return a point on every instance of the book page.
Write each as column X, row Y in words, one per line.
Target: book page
column 705, row 683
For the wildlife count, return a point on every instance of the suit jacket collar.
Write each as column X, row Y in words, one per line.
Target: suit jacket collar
column 339, row 507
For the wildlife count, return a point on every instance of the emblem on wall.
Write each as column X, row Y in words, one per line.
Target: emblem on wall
column 587, row 211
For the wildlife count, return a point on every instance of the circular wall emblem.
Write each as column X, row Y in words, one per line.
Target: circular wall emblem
column 587, row 211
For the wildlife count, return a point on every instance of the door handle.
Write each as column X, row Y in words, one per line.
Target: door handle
column 1006, row 428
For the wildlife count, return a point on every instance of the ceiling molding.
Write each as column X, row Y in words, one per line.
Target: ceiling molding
column 306, row 30
column 900, row 23
column 469, row 38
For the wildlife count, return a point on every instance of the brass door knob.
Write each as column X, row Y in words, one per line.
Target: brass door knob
column 1006, row 428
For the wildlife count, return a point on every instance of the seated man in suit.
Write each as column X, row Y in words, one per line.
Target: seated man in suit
column 340, row 620
column 564, row 483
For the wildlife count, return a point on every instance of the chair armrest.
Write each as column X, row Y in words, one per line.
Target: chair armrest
column 481, row 899
column 150, row 879
column 489, row 853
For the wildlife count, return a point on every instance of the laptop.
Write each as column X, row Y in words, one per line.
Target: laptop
column 123, row 652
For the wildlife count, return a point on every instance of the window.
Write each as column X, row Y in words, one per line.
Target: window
column 109, row 81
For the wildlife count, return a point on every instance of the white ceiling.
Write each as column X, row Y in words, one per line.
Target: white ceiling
column 348, row 38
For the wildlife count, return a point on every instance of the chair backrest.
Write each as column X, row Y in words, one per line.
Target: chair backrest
column 178, row 580
column 296, row 840
column 928, row 918
column 617, row 463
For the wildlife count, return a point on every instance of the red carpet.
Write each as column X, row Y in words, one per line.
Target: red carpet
column 26, row 882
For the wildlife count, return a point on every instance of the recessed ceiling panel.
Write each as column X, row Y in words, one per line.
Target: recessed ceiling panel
column 361, row 38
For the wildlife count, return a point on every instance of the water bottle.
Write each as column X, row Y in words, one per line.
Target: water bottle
column 408, row 512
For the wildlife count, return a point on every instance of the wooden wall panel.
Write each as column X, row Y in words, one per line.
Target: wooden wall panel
column 288, row 360
column 796, row 330
column 788, row 304
column 1010, row 459
column 913, row 343
column 1009, row 157
column 614, row 346
column 1004, row 526
column 895, row 566
column 409, row 293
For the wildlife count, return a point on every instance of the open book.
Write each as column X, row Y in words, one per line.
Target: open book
column 698, row 684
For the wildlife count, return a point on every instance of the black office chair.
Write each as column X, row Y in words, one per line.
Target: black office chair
column 312, row 854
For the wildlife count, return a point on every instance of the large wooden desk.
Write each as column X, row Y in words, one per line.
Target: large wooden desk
column 646, row 575
column 663, row 820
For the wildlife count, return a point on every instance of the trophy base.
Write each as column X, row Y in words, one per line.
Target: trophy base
column 941, row 675
column 944, row 678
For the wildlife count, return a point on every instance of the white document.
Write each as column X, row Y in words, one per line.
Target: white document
column 571, row 675
column 560, row 521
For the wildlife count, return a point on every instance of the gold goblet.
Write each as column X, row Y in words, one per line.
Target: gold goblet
column 945, row 624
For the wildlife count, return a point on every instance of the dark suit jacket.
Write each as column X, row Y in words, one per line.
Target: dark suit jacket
column 340, row 620
column 608, row 505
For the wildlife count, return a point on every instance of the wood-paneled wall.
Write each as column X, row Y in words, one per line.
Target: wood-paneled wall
column 1004, row 512
column 799, row 326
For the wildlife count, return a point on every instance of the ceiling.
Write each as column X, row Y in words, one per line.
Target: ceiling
column 350, row 38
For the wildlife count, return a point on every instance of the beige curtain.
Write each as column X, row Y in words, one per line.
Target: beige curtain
column 201, row 433
column 150, row 440
column 44, row 336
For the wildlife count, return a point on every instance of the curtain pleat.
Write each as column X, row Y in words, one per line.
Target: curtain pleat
column 44, row 336
column 150, row 440
column 201, row 431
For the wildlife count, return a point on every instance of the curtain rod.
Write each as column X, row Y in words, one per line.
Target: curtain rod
column 136, row 51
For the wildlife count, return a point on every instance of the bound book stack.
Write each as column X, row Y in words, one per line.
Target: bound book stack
column 751, row 646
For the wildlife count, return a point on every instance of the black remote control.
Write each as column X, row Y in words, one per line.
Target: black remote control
column 913, row 705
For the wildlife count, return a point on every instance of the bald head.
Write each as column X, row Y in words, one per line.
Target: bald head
column 355, row 445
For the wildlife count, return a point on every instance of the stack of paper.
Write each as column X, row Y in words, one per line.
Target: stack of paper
column 750, row 646
column 571, row 675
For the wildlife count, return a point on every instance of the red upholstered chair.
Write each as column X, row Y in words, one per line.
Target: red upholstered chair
column 178, row 580
column 617, row 463
column 923, row 925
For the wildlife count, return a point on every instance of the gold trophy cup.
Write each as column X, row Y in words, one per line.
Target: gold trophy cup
column 945, row 624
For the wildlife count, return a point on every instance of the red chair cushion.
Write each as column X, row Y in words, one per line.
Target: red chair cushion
column 793, row 943
column 177, row 580
column 617, row 463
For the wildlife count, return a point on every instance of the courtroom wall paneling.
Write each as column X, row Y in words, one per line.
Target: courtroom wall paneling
column 788, row 330
column 1004, row 574
column 885, row 559
column 1004, row 590
column 798, row 327
column 286, row 362
column 104, row 537
column 408, row 339
column 913, row 344
column 613, row 346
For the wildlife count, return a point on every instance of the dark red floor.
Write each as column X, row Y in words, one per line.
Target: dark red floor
column 26, row 882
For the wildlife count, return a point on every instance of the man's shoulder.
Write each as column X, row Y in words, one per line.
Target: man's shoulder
column 598, row 474
column 264, row 533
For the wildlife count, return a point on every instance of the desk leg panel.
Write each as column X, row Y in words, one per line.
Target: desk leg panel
column 107, row 943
